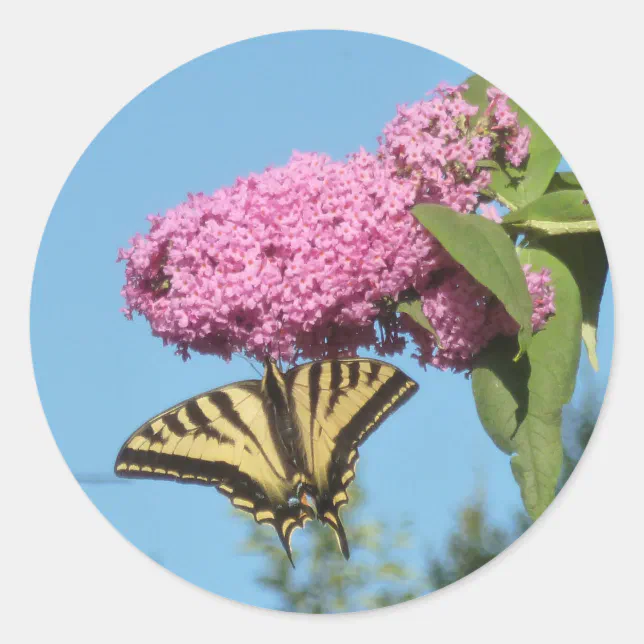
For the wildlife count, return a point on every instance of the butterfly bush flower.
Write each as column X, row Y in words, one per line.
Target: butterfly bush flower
column 466, row 317
column 308, row 260
column 438, row 143
column 290, row 258
column 514, row 140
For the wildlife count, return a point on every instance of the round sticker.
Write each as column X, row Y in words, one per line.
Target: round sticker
column 349, row 294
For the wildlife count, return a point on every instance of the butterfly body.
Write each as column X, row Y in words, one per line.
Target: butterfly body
column 268, row 444
column 278, row 409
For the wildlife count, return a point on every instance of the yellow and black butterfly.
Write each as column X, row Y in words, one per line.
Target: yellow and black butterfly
column 267, row 444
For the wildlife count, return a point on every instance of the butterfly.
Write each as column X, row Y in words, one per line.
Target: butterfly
column 270, row 444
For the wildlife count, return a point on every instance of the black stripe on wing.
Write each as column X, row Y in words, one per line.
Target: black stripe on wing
column 391, row 395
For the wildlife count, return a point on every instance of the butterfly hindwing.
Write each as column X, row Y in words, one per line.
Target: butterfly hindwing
column 337, row 404
column 221, row 438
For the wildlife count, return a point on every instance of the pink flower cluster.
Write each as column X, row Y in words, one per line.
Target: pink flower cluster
column 504, row 123
column 466, row 316
column 308, row 260
column 543, row 296
column 296, row 257
column 438, row 145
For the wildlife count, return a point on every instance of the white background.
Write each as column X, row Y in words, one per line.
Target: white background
column 67, row 68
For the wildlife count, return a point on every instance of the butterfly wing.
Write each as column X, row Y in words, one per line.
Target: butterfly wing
column 221, row 438
column 337, row 405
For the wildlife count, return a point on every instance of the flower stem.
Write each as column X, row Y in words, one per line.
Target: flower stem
column 504, row 202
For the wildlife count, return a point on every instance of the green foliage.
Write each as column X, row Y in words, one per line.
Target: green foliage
column 488, row 163
column 516, row 187
column 555, row 213
column 475, row 542
column 563, row 181
column 520, row 403
column 413, row 308
column 585, row 257
column 488, row 254
column 500, row 387
column 520, row 396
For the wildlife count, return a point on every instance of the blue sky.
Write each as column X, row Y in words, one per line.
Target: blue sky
column 231, row 112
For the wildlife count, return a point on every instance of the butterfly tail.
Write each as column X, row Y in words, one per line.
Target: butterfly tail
column 295, row 517
column 332, row 518
column 287, row 547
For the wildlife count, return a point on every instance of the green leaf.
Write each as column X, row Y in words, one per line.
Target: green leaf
column 563, row 181
column 488, row 163
column 520, row 403
column 585, row 257
column 414, row 309
column 500, row 387
column 554, row 360
column 555, row 213
column 488, row 254
column 536, row 466
column 519, row 186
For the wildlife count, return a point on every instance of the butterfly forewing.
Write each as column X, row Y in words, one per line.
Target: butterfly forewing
column 220, row 438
